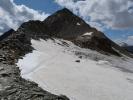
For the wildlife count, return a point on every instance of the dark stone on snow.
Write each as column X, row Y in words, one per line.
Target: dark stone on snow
column 77, row 61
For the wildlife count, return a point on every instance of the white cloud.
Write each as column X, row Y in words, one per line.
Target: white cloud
column 99, row 27
column 130, row 40
column 127, row 40
column 12, row 15
column 114, row 14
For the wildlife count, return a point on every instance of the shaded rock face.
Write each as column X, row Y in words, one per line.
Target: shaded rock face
column 102, row 45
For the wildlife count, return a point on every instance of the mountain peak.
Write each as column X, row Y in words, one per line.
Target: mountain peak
column 62, row 15
column 64, row 10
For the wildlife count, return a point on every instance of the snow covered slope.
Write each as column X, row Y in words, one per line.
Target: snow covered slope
column 81, row 74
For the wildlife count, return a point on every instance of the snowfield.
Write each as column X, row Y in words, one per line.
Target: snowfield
column 60, row 67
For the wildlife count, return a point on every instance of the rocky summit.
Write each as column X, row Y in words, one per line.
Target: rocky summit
column 15, row 44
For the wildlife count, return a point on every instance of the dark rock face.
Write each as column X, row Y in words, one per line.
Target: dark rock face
column 15, row 44
column 100, row 44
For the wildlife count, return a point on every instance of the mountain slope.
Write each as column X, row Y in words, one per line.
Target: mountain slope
column 63, row 24
column 59, row 66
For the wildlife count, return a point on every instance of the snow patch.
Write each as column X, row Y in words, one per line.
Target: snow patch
column 88, row 34
column 102, row 62
column 78, row 24
column 53, row 67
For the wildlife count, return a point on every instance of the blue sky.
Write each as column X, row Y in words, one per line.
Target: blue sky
column 48, row 6
column 114, row 18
